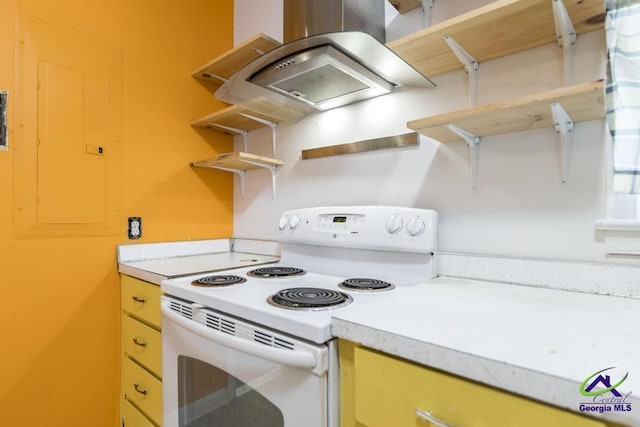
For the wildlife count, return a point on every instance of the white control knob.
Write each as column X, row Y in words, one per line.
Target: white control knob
column 294, row 222
column 393, row 224
column 415, row 227
column 282, row 224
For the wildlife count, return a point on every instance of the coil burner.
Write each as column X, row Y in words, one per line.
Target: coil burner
column 309, row 299
column 361, row 284
column 218, row 281
column 276, row 272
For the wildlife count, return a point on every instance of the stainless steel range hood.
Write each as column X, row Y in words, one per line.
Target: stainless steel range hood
column 327, row 70
column 323, row 77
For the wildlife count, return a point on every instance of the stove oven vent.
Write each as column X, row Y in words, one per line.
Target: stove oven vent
column 272, row 341
column 182, row 309
column 228, row 325
column 220, row 324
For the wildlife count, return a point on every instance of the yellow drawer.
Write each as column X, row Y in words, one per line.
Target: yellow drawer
column 142, row 389
column 142, row 343
column 388, row 391
column 134, row 418
column 141, row 299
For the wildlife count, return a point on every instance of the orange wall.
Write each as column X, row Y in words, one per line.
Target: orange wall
column 59, row 327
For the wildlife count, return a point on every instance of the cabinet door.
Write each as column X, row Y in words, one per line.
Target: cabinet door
column 134, row 418
column 388, row 391
column 141, row 299
column 142, row 389
column 142, row 343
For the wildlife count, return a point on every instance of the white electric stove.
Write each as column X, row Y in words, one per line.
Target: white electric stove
column 264, row 331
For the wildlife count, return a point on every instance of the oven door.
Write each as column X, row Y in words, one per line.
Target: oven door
column 218, row 370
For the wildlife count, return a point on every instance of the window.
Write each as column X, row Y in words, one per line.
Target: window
column 621, row 229
column 620, row 206
column 625, row 207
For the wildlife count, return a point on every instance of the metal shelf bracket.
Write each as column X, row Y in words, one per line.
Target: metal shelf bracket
column 244, row 133
column 272, row 125
column 564, row 126
column 473, row 142
column 273, row 170
column 470, row 67
column 240, row 172
column 565, row 37
column 427, row 10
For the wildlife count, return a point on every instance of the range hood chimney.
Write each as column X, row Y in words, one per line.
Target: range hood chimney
column 304, row 18
column 333, row 55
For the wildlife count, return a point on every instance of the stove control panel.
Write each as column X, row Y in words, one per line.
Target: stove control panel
column 394, row 224
column 363, row 227
column 339, row 223
column 416, row 226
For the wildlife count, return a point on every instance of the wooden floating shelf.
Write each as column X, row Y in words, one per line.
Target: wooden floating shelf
column 239, row 161
column 582, row 102
column 228, row 63
column 231, row 117
column 492, row 31
column 404, row 6
column 278, row 112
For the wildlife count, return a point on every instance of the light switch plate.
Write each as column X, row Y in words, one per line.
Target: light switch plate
column 4, row 131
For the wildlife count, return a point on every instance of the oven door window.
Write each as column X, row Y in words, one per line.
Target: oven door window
column 209, row 396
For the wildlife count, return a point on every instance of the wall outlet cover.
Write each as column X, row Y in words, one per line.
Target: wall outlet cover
column 135, row 227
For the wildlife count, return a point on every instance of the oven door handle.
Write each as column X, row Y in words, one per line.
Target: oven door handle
column 294, row 358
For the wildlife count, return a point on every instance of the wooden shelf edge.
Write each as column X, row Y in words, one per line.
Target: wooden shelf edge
column 231, row 61
column 238, row 160
column 584, row 101
column 257, row 107
column 231, row 117
column 404, row 6
column 495, row 30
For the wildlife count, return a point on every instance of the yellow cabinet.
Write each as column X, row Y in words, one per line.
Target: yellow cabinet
column 134, row 417
column 142, row 389
column 378, row 390
column 141, row 342
column 141, row 300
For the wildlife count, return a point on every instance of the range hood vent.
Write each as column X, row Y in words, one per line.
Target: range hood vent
column 323, row 71
column 323, row 77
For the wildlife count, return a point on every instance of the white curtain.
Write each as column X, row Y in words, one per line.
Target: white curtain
column 623, row 92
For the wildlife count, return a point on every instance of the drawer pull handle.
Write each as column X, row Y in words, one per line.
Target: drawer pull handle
column 138, row 341
column 426, row 415
column 140, row 390
column 141, row 300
